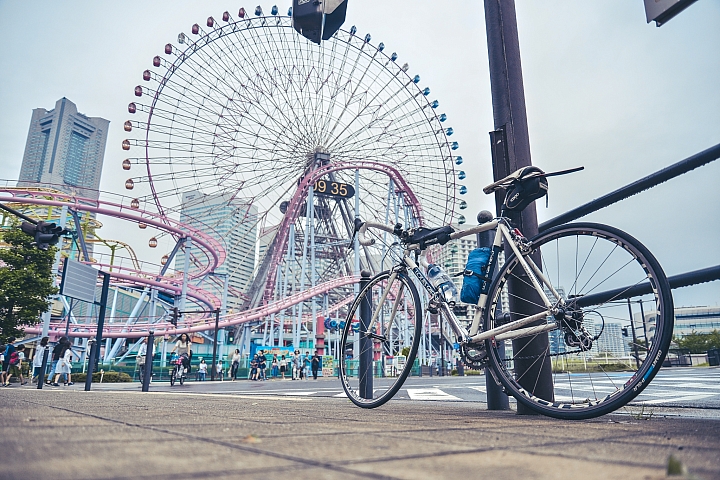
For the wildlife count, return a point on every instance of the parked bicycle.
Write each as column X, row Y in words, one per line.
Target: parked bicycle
column 556, row 303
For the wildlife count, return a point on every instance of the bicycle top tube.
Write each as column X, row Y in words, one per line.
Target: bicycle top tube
column 366, row 242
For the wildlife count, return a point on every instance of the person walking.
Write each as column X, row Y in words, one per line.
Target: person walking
column 297, row 366
column 57, row 353
column 64, row 365
column 263, row 365
column 275, row 367
column 10, row 351
column 219, row 370
column 38, row 361
column 283, row 366
column 202, row 370
column 140, row 359
column 16, row 364
column 235, row 365
column 315, row 365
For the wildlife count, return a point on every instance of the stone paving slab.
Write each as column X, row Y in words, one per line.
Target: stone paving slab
column 62, row 434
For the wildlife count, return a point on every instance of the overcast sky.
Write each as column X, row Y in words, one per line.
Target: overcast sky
column 603, row 89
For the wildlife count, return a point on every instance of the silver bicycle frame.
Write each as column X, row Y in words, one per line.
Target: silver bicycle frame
column 509, row 331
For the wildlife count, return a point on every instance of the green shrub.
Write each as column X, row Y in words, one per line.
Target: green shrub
column 107, row 377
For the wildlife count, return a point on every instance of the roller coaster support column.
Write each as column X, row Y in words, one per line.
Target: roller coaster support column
column 510, row 119
column 365, row 364
column 356, row 249
column 186, row 269
column 56, row 265
column 215, row 343
column 313, row 267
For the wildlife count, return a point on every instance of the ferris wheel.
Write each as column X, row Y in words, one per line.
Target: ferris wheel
column 247, row 108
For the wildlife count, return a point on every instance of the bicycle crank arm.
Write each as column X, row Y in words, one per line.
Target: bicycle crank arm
column 510, row 326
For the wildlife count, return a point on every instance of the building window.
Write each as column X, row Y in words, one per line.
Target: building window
column 74, row 161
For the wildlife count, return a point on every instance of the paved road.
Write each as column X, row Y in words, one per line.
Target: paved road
column 689, row 388
column 186, row 434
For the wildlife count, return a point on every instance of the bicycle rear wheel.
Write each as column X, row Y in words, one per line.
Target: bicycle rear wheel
column 374, row 365
column 610, row 341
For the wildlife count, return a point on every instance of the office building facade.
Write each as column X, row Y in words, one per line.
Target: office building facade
column 64, row 150
column 232, row 222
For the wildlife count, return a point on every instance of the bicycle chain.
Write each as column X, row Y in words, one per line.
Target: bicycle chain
column 531, row 357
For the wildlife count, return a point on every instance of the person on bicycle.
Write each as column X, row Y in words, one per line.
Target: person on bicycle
column 183, row 346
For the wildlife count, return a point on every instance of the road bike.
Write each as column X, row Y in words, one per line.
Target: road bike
column 574, row 324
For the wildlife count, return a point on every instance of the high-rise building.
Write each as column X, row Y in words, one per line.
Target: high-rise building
column 64, row 150
column 232, row 222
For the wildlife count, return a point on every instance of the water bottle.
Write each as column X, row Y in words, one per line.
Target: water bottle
column 443, row 282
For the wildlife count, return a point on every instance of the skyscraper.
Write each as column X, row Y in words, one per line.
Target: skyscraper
column 64, row 150
column 233, row 222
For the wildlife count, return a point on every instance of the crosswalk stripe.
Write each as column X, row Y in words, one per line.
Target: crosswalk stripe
column 675, row 399
column 430, row 394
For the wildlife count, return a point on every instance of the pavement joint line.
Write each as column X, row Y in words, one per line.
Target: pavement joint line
column 233, row 473
column 245, row 448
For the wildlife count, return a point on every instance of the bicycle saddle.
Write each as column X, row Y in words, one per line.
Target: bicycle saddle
column 523, row 173
column 430, row 236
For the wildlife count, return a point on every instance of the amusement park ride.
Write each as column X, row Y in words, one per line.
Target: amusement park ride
column 308, row 134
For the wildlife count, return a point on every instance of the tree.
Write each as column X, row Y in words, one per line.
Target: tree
column 25, row 282
column 699, row 342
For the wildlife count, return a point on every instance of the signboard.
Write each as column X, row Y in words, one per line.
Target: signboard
column 328, row 366
column 333, row 189
column 663, row 10
column 78, row 281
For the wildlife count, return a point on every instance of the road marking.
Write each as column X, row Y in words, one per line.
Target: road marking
column 298, row 394
column 479, row 389
column 430, row 394
column 675, row 399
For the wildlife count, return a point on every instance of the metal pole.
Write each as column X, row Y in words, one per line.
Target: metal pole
column 365, row 370
column 508, row 100
column 43, row 369
column 313, row 270
column 215, row 341
column 89, row 372
column 496, row 398
column 148, row 361
column 95, row 352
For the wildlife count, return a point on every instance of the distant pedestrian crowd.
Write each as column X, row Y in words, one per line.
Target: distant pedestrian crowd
column 16, row 364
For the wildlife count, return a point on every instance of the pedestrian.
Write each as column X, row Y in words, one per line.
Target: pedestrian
column 10, row 351
column 16, row 367
column 275, row 367
column 315, row 365
column 57, row 352
column 140, row 359
column 297, row 366
column 283, row 366
column 235, row 365
column 38, row 360
column 263, row 365
column 254, row 367
column 184, row 350
column 202, row 370
column 219, row 370
column 64, row 365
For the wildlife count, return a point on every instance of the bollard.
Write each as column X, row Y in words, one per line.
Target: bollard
column 365, row 373
column 496, row 398
column 91, row 363
column 43, row 369
column 148, row 361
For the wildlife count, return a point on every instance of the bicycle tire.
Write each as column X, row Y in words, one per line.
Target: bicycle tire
column 182, row 380
column 409, row 324
column 613, row 385
column 172, row 378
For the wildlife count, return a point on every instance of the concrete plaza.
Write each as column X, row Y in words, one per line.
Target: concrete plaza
column 121, row 434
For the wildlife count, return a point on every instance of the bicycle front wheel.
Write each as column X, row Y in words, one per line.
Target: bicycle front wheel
column 375, row 363
column 611, row 337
